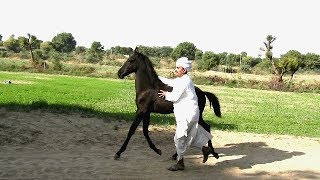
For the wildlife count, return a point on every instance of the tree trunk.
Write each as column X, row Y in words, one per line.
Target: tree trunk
column 31, row 54
column 277, row 72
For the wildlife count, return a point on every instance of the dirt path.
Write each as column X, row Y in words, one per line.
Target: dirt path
column 45, row 145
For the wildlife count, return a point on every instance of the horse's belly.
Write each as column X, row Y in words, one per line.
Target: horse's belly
column 162, row 106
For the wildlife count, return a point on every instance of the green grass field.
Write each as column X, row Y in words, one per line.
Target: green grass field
column 245, row 110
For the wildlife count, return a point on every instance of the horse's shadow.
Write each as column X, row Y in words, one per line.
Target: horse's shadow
column 251, row 153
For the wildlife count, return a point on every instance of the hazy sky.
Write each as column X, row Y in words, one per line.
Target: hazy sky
column 229, row 26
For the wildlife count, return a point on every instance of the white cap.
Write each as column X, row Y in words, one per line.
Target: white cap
column 185, row 63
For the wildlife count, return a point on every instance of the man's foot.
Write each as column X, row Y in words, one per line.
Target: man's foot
column 206, row 151
column 177, row 167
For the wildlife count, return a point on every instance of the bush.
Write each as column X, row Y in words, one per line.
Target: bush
column 3, row 54
column 80, row 70
column 24, row 55
column 245, row 68
column 228, row 69
column 155, row 61
column 57, row 65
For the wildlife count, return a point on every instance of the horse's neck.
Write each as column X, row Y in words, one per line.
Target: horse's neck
column 144, row 82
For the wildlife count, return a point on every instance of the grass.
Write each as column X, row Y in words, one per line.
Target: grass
column 245, row 110
column 270, row 112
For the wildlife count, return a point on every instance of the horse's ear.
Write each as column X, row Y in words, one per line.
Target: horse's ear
column 136, row 50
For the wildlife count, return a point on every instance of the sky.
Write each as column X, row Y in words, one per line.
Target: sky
column 231, row 26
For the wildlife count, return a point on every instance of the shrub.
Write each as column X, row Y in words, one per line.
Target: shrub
column 3, row 54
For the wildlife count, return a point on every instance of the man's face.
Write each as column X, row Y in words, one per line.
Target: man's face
column 180, row 71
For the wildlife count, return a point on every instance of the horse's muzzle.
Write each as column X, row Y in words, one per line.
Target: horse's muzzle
column 120, row 75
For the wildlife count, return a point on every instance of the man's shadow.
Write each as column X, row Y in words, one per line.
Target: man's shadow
column 252, row 153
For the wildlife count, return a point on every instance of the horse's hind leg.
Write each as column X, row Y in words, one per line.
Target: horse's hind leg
column 207, row 128
column 132, row 129
column 146, row 122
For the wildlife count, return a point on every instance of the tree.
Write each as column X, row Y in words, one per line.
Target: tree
column 46, row 47
column 30, row 43
column 268, row 53
column 233, row 59
column 209, row 60
column 12, row 44
column 248, row 62
column 290, row 62
column 1, row 43
column 223, row 58
column 23, row 43
column 185, row 49
column 95, row 52
column 80, row 50
column 198, row 54
column 243, row 54
column 64, row 42
column 312, row 61
column 122, row 50
column 164, row 51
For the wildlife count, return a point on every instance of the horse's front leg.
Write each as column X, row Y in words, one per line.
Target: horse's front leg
column 132, row 130
column 146, row 122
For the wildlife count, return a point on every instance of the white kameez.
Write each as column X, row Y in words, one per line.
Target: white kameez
column 186, row 111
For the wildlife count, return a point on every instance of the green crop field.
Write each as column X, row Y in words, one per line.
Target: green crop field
column 245, row 110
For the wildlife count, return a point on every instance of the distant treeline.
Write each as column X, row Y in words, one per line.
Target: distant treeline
column 63, row 47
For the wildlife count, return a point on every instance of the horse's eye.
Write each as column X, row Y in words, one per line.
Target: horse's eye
column 131, row 60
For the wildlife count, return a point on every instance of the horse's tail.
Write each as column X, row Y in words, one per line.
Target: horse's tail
column 214, row 103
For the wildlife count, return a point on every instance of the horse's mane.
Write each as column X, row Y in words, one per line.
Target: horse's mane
column 151, row 73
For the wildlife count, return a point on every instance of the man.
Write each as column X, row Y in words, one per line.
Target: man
column 186, row 111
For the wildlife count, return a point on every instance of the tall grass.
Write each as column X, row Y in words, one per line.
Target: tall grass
column 246, row 110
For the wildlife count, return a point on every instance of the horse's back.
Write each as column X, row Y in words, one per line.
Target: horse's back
column 201, row 98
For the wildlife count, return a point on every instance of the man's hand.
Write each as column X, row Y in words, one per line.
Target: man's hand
column 162, row 93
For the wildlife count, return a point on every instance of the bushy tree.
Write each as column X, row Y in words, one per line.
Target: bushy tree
column 185, row 49
column 46, row 47
column 250, row 61
column 198, row 54
column 209, row 60
column 223, row 58
column 23, row 43
column 233, row 59
column 164, row 51
column 64, row 42
column 311, row 61
column 80, row 50
column 290, row 62
column 95, row 52
column 12, row 44
column 146, row 50
column 122, row 50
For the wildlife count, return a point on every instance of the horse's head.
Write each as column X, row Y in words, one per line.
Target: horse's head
column 131, row 65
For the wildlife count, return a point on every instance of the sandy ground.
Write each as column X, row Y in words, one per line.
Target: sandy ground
column 42, row 145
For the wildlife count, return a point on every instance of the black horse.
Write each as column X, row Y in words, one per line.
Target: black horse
column 147, row 86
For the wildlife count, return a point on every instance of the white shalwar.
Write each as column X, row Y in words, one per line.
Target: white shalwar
column 186, row 111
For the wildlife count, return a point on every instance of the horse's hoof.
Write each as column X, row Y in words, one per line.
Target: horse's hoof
column 174, row 157
column 216, row 155
column 116, row 157
column 159, row 152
